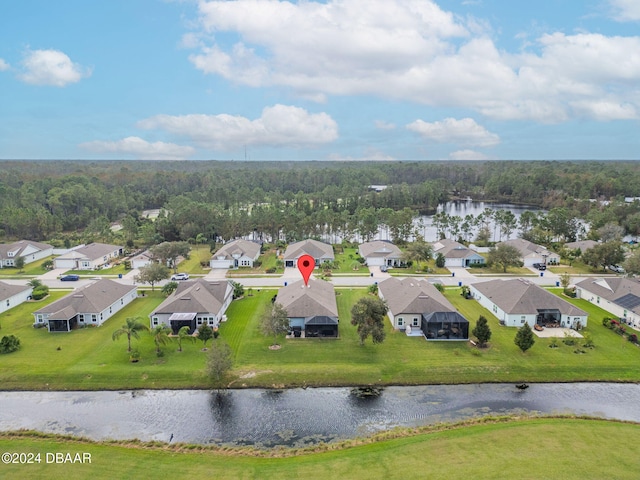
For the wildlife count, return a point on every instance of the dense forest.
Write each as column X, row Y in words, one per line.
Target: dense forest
column 79, row 200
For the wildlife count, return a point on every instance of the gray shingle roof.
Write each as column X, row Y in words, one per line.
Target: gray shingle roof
column 310, row 247
column 19, row 246
column 8, row 290
column 411, row 295
column 517, row 295
column 198, row 296
column 379, row 248
column 319, row 299
column 93, row 251
column 612, row 288
column 238, row 247
column 92, row 298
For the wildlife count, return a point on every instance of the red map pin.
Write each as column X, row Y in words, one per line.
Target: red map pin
column 306, row 264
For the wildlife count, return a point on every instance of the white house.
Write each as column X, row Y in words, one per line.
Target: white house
column 141, row 260
column 380, row 253
column 194, row 303
column 517, row 301
column 88, row 257
column 417, row 307
column 312, row 310
column 13, row 295
column 235, row 254
column 320, row 251
column 456, row 254
column 92, row 305
column 30, row 251
column 617, row 295
column 531, row 253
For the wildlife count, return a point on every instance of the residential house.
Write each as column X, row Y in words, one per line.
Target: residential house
column 582, row 245
column 30, row 251
column 142, row 260
column 320, row 251
column 88, row 257
column 518, row 301
column 312, row 310
column 617, row 295
column 531, row 253
column 194, row 303
column 380, row 253
column 92, row 304
column 237, row 253
column 456, row 254
column 13, row 295
column 418, row 308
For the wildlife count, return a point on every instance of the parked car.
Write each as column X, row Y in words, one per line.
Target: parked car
column 180, row 276
column 616, row 268
column 383, row 268
column 540, row 266
column 70, row 278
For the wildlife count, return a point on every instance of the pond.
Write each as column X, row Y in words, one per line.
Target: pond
column 297, row 417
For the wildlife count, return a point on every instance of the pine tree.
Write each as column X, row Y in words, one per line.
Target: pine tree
column 482, row 331
column 524, row 338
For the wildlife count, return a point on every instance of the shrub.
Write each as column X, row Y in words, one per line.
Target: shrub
column 633, row 338
column 606, row 322
column 271, row 270
column 40, row 292
column 9, row 343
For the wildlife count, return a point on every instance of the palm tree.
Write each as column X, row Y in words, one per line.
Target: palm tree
column 34, row 282
column 160, row 336
column 130, row 329
column 182, row 334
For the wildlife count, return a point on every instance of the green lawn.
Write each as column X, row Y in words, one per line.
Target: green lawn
column 88, row 358
column 29, row 270
column 531, row 448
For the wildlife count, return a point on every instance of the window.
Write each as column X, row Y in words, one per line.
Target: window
column 522, row 319
column 81, row 317
column 8, row 302
column 598, row 300
column 94, row 317
column 400, row 321
column 495, row 309
column 155, row 321
column 415, row 321
column 122, row 301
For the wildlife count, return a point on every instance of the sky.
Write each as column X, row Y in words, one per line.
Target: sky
column 342, row 80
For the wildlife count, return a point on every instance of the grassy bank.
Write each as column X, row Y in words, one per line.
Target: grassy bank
column 532, row 448
column 89, row 359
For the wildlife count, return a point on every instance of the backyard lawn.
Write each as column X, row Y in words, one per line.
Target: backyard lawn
column 563, row 448
column 88, row 358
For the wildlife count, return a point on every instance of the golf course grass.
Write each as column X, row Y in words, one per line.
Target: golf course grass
column 533, row 448
column 88, row 358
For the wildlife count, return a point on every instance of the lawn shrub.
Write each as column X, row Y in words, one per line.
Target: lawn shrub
column 40, row 292
column 9, row 344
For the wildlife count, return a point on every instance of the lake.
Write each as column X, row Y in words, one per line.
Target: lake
column 297, row 417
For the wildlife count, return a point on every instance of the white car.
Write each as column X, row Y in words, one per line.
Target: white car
column 180, row 276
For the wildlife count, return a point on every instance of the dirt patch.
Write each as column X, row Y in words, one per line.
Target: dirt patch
column 274, row 347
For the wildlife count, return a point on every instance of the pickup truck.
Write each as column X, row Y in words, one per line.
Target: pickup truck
column 540, row 266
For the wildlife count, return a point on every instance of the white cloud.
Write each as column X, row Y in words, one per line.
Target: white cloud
column 51, row 67
column 625, row 10
column 468, row 155
column 140, row 149
column 278, row 126
column 3, row 65
column 465, row 132
column 413, row 50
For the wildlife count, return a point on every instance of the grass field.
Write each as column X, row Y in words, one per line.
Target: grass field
column 89, row 359
column 530, row 449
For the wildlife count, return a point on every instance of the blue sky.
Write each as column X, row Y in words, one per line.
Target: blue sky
column 320, row 80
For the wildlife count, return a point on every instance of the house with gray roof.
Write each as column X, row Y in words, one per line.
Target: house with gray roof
column 13, row 295
column 582, row 245
column 235, row 254
column 518, row 301
column 320, row 251
column 456, row 254
column 194, row 303
column 92, row 305
column 30, row 251
column 418, row 308
column 380, row 253
column 88, row 257
column 531, row 253
column 312, row 310
column 617, row 295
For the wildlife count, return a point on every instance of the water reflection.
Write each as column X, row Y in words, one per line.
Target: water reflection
column 298, row 417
